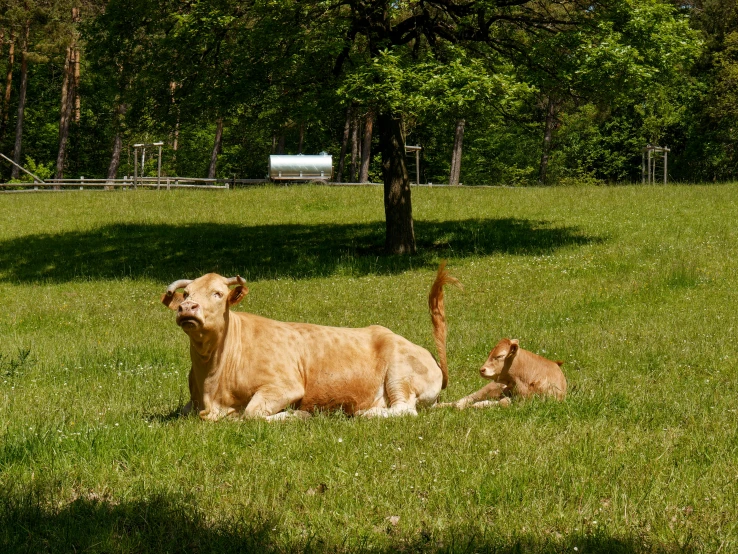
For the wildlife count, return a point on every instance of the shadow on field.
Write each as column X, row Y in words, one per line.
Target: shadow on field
column 166, row 525
column 168, row 252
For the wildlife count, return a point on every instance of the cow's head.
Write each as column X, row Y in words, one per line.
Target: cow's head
column 204, row 304
column 500, row 358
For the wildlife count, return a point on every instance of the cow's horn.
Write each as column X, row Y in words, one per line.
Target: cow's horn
column 182, row 283
column 237, row 280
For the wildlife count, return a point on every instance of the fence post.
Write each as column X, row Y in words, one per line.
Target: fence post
column 81, row 182
column 666, row 162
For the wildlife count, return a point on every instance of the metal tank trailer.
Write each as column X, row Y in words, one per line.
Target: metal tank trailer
column 301, row 167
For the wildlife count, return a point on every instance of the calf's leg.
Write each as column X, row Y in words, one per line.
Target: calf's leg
column 491, row 391
column 503, row 403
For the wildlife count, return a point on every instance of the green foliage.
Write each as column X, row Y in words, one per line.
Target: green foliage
column 40, row 170
column 620, row 74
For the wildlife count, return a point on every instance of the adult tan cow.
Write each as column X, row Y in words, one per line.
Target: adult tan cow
column 244, row 364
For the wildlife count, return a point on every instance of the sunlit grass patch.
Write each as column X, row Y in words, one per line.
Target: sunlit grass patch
column 641, row 457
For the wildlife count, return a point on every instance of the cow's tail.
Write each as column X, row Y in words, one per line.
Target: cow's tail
column 438, row 315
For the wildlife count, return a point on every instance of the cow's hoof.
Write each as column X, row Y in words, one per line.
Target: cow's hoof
column 295, row 414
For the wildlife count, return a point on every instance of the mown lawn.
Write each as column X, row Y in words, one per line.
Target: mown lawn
column 635, row 287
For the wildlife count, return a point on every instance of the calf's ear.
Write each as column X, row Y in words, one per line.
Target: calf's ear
column 514, row 345
column 237, row 295
column 172, row 301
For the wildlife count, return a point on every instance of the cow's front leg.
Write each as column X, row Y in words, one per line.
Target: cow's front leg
column 269, row 401
column 214, row 413
column 196, row 398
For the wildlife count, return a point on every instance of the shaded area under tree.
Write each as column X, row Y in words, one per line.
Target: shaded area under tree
column 167, row 252
column 175, row 524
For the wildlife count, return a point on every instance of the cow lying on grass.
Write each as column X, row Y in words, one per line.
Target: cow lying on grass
column 247, row 365
column 514, row 372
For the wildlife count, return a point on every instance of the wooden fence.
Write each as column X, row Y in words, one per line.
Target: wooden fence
column 167, row 183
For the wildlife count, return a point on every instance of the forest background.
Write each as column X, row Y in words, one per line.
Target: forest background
column 511, row 92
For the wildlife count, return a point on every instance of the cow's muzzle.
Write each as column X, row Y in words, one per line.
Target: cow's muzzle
column 188, row 314
column 486, row 372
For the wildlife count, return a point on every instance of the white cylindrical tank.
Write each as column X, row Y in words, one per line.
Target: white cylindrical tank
column 300, row 167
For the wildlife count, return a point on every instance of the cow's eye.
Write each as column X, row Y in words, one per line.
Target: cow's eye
column 218, row 294
column 185, row 294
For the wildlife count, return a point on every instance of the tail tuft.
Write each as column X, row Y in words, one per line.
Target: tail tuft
column 438, row 315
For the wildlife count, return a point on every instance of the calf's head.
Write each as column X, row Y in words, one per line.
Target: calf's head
column 204, row 304
column 500, row 358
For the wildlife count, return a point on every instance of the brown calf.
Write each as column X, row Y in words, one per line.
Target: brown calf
column 515, row 372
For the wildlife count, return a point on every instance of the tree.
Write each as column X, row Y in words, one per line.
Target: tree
column 710, row 137
column 8, row 84
column 390, row 43
column 15, row 173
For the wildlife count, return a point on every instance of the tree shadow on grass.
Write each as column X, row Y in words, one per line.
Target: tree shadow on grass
column 170, row 524
column 168, row 252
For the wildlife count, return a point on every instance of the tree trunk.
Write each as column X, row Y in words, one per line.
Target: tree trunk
column 354, row 147
column 456, row 155
column 21, row 103
column 366, row 148
column 547, row 135
column 344, row 144
column 175, row 142
column 400, row 236
column 302, row 138
column 117, row 143
column 175, row 138
column 280, row 144
column 8, row 88
column 75, row 60
column 67, row 99
column 77, row 104
column 2, row 46
column 216, row 148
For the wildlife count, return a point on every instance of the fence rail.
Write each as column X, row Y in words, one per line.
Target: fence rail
column 168, row 183
column 129, row 183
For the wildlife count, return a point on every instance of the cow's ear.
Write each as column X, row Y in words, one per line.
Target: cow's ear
column 237, row 295
column 514, row 345
column 172, row 301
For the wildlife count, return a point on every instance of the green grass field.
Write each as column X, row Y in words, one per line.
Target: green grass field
column 635, row 288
